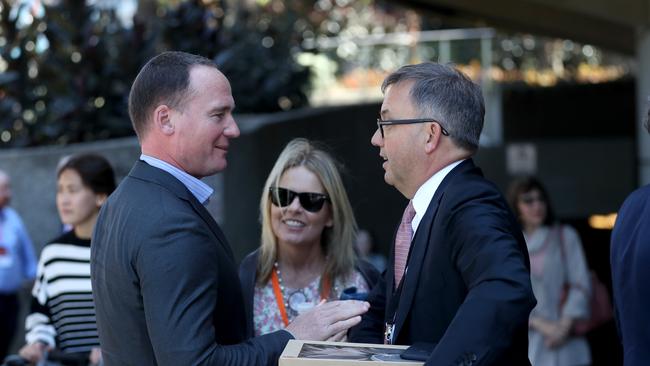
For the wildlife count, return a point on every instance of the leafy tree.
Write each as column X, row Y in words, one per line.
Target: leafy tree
column 253, row 49
column 66, row 68
column 70, row 73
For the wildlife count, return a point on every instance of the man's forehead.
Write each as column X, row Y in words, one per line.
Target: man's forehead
column 396, row 95
column 227, row 103
column 199, row 73
column 206, row 77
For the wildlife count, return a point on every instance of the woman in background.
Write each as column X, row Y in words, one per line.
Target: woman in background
column 559, row 276
column 63, row 313
column 308, row 232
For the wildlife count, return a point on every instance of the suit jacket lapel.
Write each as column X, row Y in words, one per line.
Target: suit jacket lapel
column 144, row 171
column 205, row 215
column 390, row 269
column 419, row 247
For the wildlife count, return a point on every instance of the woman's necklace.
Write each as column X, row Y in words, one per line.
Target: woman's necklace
column 296, row 302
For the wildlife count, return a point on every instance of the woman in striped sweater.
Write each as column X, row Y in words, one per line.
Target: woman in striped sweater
column 63, row 313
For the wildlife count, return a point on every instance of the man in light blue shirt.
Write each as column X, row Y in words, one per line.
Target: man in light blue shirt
column 179, row 299
column 17, row 264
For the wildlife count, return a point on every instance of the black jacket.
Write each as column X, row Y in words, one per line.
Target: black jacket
column 467, row 287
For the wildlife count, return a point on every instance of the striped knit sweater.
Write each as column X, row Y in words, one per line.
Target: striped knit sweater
column 62, row 311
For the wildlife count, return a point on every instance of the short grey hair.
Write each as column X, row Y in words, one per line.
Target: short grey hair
column 447, row 95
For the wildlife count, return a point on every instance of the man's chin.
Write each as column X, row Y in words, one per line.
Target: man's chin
column 388, row 179
column 209, row 170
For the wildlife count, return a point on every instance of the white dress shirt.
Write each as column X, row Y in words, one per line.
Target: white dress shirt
column 425, row 193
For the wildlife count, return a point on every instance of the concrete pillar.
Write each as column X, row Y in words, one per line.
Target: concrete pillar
column 643, row 103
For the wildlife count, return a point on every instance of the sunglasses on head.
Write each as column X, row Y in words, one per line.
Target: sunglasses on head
column 310, row 201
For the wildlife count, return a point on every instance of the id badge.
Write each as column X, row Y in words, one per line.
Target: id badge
column 388, row 333
column 5, row 257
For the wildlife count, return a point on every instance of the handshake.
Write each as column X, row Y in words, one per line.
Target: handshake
column 330, row 321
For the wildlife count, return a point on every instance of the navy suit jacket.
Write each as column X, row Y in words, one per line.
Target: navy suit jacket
column 467, row 287
column 165, row 283
column 630, row 259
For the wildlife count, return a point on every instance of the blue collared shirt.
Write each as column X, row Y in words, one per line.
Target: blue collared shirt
column 200, row 190
column 17, row 259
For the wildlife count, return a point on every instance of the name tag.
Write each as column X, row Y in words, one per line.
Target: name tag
column 5, row 259
column 388, row 333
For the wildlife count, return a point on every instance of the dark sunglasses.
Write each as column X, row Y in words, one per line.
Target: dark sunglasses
column 312, row 202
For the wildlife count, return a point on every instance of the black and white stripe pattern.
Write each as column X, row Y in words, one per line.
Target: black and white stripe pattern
column 63, row 312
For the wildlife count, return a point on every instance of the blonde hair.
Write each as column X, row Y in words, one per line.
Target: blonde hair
column 337, row 241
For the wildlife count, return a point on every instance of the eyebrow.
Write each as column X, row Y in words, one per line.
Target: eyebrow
column 221, row 109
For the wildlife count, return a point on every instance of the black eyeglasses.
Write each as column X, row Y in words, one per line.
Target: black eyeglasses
column 312, row 202
column 387, row 122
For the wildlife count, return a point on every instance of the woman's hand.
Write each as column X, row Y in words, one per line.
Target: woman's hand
column 555, row 333
column 541, row 325
column 33, row 352
column 95, row 356
column 560, row 331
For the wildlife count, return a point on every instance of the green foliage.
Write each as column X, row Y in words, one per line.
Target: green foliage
column 75, row 88
column 255, row 51
column 66, row 75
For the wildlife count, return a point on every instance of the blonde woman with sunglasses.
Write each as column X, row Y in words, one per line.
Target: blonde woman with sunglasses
column 307, row 246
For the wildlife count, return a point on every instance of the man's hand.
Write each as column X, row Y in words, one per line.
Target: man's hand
column 328, row 320
column 33, row 352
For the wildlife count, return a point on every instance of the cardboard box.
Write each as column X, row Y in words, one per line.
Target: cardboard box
column 311, row 353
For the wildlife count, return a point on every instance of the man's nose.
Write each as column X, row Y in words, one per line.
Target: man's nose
column 232, row 131
column 376, row 138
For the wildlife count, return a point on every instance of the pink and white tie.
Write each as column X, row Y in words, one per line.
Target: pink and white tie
column 403, row 242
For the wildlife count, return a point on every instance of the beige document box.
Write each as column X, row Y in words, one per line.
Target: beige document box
column 311, row 353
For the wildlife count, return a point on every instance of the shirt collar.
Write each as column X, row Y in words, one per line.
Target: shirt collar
column 425, row 193
column 199, row 189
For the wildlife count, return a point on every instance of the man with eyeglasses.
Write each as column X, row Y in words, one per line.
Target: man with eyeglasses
column 629, row 257
column 164, row 278
column 458, row 279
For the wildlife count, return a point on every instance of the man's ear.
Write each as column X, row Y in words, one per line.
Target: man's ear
column 162, row 119
column 433, row 135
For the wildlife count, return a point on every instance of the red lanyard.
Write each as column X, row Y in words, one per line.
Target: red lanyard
column 279, row 298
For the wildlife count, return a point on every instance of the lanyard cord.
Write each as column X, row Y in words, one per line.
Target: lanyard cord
column 279, row 296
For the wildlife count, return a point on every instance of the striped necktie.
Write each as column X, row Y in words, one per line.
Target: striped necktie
column 403, row 242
